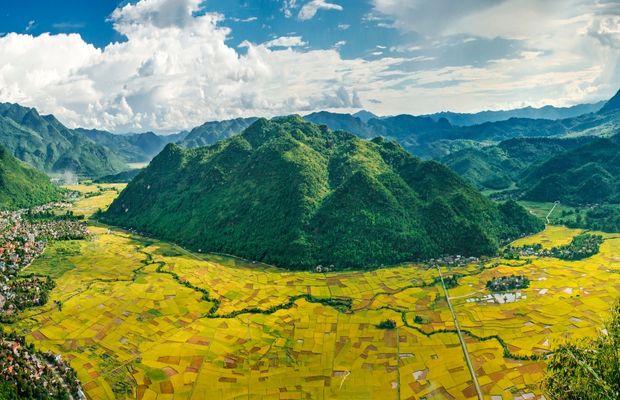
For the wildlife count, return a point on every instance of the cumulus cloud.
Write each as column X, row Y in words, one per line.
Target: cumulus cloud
column 288, row 6
column 606, row 30
column 175, row 70
column 285, row 41
column 309, row 10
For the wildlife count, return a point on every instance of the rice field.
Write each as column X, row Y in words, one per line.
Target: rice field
column 140, row 318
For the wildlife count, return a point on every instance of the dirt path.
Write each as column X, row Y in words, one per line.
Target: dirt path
column 461, row 339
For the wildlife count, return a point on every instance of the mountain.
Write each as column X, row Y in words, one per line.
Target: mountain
column 587, row 175
column 45, row 143
column 612, row 104
column 132, row 147
column 546, row 112
column 434, row 136
column 213, row 131
column 297, row 194
column 342, row 122
column 22, row 186
column 500, row 166
column 365, row 116
column 121, row 177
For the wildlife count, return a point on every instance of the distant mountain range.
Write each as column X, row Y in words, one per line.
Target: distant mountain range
column 22, row 186
column 48, row 145
column 132, row 147
column 297, row 194
column 546, row 112
column 213, row 131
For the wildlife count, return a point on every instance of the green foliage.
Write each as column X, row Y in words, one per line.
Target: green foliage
column 387, row 324
column 500, row 166
column 587, row 175
column 22, row 186
column 297, row 195
column 582, row 246
column 605, row 218
column 507, row 283
column 588, row 369
column 43, row 142
column 8, row 391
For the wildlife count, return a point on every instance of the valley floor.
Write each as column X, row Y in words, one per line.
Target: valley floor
column 145, row 319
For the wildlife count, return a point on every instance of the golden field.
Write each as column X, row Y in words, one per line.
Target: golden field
column 146, row 319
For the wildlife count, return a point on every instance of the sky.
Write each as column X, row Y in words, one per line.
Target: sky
column 169, row 65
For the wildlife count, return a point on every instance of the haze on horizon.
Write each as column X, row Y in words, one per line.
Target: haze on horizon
column 168, row 65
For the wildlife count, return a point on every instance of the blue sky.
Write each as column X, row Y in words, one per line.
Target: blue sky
column 167, row 65
column 256, row 21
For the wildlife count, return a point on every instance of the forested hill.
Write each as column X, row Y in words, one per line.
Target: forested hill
column 295, row 194
column 45, row 143
column 22, row 186
column 587, row 175
column 502, row 166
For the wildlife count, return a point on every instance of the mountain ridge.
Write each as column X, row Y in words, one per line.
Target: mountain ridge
column 45, row 143
column 22, row 186
column 296, row 194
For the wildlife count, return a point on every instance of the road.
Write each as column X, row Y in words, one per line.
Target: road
column 461, row 339
column 555, row 204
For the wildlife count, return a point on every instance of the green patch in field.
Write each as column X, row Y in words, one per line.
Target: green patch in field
column 56, row 260
column 155, row 374
column 154, row 312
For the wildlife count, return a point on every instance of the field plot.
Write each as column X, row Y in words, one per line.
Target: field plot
column 95, row 196
column 128, row 329
column 139, row 318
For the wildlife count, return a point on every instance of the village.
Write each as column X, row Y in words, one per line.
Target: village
column 23, row 237
column 36, row 374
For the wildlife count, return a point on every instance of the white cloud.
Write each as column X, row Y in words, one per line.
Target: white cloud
column 309, row 10
column 175, row 69
column 285, row 41
column 288, row 6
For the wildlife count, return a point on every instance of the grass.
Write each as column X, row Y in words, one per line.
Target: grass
column 56, row 260
column 127, row 320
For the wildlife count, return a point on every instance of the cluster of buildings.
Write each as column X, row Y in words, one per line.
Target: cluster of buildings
column 35, row 374
column 23, row 236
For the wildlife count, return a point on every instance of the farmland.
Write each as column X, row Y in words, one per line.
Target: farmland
column 142, row 318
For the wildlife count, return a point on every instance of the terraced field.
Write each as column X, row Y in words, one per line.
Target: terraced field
column 145, row 319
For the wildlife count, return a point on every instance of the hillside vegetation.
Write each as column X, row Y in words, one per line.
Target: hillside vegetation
column 297, row 195
column 501, row 166
column 22, row 186
column 45, row 143
column 589, row 174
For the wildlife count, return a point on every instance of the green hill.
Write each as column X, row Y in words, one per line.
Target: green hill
column 501, row 166
column 45, row 143
column 296, row 194
column 587, row 175
column 22, row 186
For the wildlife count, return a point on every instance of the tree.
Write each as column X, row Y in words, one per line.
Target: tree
column 587, row 369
